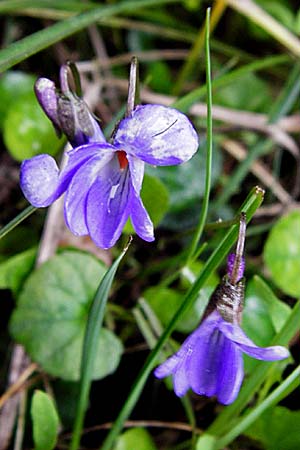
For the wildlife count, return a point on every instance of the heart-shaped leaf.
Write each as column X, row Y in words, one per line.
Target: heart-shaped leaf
column 51, row 315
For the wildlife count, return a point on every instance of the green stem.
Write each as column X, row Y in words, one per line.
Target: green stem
column 287, row 386
column 17, row 220
column 205, row 204
column 252, row 202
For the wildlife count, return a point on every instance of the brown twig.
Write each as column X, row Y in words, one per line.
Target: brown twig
column 243, row 119
column 15, row 387
column 237, row 150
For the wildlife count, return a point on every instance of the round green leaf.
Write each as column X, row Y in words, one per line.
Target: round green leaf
column 136, row 438
column 27, row 131
column 282, row 253
column 51, row 315
column 13, row 85
column 45, row 421
column 155, row 197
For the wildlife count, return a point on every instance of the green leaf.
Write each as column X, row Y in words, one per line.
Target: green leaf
column 45, row 421
column 27, row 131
column 155, row 197
column 51, row 316
column 15, row 270
column 277, row 428
column 249, row 90
column 13, row 85
column 260, row 300
column 282, row 253
column 136, row 438
column 264, row 315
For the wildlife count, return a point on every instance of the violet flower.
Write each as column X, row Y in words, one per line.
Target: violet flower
column 103, row 180
column 210, row 361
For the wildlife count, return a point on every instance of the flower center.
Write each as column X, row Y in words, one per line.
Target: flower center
column 123, row 161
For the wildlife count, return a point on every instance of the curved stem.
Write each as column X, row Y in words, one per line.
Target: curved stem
column 17, row 220
column 204, row 209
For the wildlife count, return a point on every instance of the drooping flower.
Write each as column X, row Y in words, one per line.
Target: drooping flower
column 210, row 361
column 103, row 180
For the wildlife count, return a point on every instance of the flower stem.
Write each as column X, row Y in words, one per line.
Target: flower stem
column 204, row 210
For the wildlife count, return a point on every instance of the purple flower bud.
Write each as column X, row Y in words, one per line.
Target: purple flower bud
column 45, row 92
column 67, row 111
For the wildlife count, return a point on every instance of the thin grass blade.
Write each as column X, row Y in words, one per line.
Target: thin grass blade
column 93, row 327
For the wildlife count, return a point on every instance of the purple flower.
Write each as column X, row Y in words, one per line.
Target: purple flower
column 103, row 180
column 210, row 361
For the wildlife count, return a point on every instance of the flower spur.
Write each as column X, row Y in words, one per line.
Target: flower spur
column 210, row 361
column 103, row 180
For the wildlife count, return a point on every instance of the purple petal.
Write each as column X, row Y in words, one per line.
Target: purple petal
column 202, row 366
column 41, row 181
column 205, row 364
column 180, row 379
column 136, row 167
column 231, row 373
column 168, row 367
column 76, row 195
column 46, row 94
column 108, row 204
column 157, row 135
column 235, row 334
column 140, row 219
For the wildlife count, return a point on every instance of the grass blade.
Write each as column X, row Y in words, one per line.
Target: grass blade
column 94, row 323
column 22, row 49
column 17, row 220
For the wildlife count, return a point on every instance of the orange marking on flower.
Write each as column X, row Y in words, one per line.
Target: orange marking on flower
column 123, row 161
